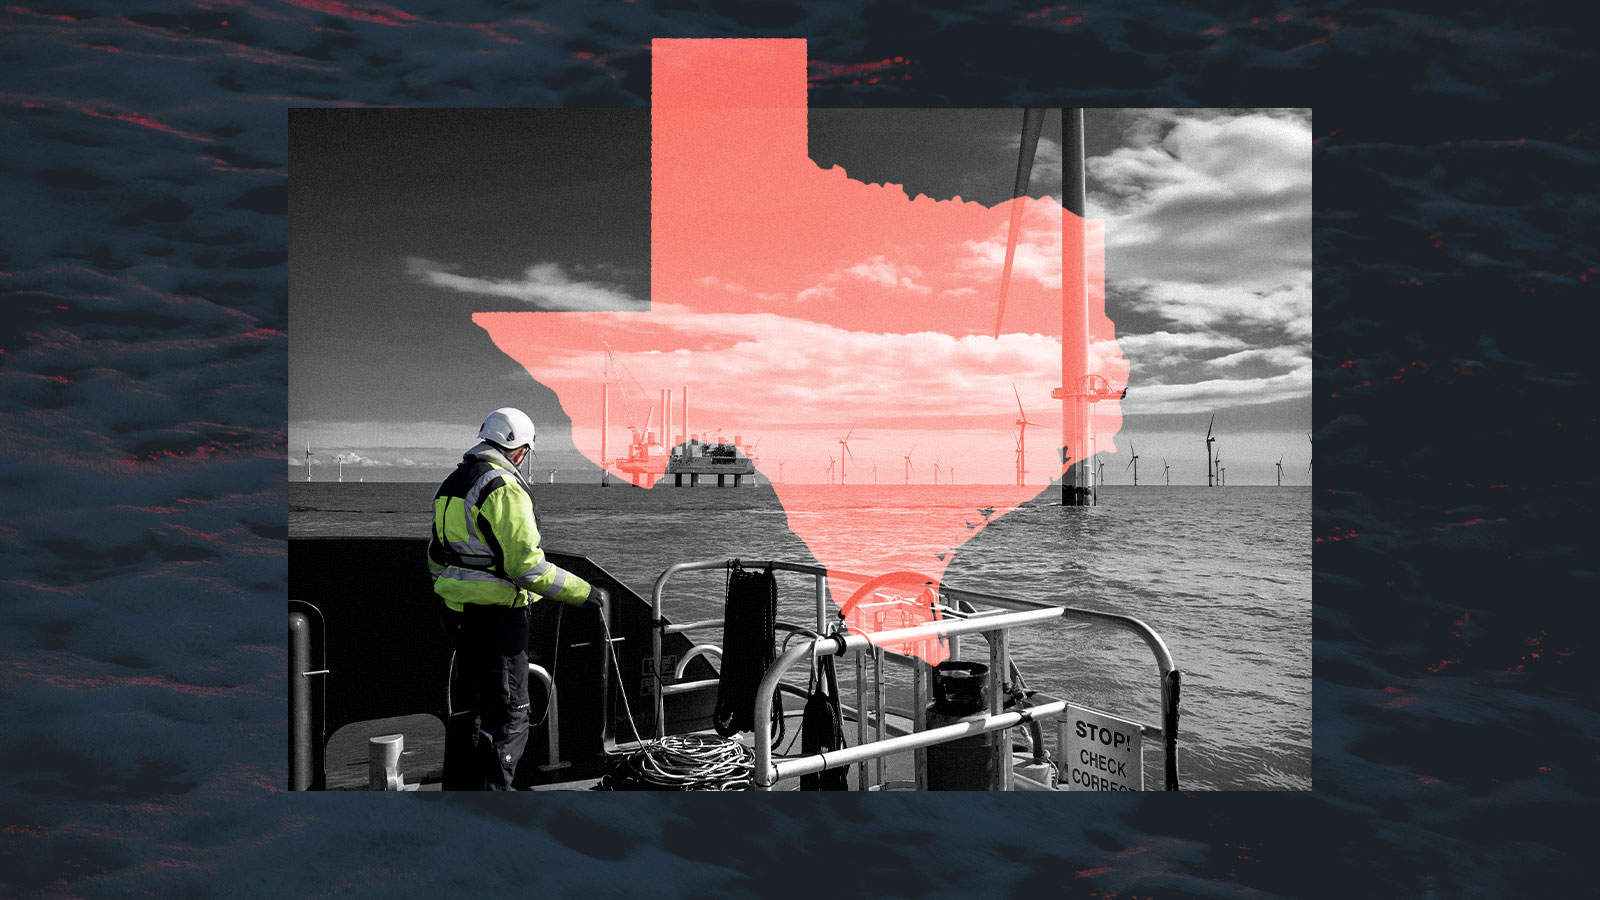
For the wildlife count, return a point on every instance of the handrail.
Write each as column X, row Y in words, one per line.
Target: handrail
column 766, row 775
column 1169, row 680
column 554, row 713
column 659, row 629
column 694, row 653
column 980, row 723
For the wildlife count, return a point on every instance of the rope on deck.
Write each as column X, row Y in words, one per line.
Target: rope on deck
column 685, row 762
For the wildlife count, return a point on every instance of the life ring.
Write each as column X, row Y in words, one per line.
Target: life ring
column 908, row 579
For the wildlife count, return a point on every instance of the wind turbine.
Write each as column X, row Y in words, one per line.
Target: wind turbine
column 308, row 460
column 1280, row 471
column 340, row 458
column 780, row 470
column 1166, row 470
column 874, row 471
column 830, row 468
column 844, row 451
column 951, row 472
column 552, row 476
column 936, row 468
column 1102, row 471
column 908, row 463
column 1022, row 437
column 1134, row 463
column 1209, row 441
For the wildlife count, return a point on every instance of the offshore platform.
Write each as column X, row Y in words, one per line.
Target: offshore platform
column 692, row 455
column 695, row 458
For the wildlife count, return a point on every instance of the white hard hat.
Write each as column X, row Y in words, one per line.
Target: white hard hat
column 507, row 427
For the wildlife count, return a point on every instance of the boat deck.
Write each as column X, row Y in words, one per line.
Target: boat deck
column 422, row 760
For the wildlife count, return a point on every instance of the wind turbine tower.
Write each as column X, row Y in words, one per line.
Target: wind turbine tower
column 844, row 452
column 308, row 460
column 1280, row 471
column 1022, row 424
column 1209, row 441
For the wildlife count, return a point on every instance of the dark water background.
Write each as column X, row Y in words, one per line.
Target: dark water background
column 143, row 271
column 1224, row 576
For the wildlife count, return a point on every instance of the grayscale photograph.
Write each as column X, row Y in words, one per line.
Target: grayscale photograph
column 720, row 448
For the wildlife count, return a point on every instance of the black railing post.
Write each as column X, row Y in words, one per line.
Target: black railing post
column 1169, row 727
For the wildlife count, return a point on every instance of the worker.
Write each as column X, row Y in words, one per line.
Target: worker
column 487, row 567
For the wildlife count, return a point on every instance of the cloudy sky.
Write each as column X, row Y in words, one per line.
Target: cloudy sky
column 404, row 224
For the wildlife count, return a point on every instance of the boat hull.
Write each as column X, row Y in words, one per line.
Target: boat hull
column 373, row 627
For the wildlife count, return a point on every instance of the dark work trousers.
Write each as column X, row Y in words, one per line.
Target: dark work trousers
column 488, row 727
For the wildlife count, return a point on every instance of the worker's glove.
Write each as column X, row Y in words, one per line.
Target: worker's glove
column 597, row 598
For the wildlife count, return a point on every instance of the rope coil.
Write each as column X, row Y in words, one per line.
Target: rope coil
column 686, row 762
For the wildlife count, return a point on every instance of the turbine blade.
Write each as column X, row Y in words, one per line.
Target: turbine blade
column 1019, row 400
column 1208, row 427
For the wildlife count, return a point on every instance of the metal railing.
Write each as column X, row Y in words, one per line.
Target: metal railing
column 994, row 625
column 997, row 627
column 552, row 716
column 660, row 629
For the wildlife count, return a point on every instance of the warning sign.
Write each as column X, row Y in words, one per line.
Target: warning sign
column 1103, row 753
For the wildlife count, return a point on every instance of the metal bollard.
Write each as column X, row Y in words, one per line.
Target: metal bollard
column 383, row 762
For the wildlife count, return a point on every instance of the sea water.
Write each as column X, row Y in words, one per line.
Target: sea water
column 1222, row 574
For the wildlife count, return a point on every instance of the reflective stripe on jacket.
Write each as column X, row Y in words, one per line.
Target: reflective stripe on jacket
column 485, row 543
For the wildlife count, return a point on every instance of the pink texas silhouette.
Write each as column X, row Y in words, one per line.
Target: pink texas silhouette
column 794, row 302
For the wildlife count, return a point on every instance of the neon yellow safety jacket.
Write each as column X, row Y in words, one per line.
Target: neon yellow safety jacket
column 485, row 544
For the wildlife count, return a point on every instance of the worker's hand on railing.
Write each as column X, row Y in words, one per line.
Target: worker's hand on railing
column 597, row 598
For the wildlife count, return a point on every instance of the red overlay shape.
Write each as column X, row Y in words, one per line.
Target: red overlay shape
column 796, row 303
